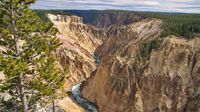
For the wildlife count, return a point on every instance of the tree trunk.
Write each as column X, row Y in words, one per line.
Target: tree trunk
column 53, row 104
column 17, row 50
column 22, row 95
column 16, row 38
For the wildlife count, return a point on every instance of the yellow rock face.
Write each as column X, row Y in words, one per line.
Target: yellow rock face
column 69, row 106
column 166, row 81
column 79, row 42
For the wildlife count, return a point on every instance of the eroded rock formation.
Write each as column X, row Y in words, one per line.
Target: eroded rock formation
column 143, row 73
column 79, row 43
column 107, row 19
column 139, row 71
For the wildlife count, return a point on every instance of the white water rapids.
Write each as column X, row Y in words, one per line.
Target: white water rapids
column 88, row 106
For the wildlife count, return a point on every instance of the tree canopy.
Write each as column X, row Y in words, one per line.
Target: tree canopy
column 29, row 68
column 180, row 24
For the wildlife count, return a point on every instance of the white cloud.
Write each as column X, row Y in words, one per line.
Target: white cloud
column 189, row 6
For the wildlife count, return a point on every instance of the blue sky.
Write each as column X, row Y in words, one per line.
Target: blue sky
column 187, row 6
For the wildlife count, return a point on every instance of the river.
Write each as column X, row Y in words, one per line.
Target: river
column 76, row 94
column 88, row 106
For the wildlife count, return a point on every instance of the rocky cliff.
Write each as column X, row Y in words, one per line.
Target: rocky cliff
column 141, row 72
column 107, row 19
column 79, row 42
column 119, row 36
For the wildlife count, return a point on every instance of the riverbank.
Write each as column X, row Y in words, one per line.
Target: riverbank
column 76, row 96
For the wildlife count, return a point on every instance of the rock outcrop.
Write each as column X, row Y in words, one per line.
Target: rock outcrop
column 119, row 36
column 79, row 43
column 107, row 19
column 139, row 71
column 145, row 73
column 68, row 105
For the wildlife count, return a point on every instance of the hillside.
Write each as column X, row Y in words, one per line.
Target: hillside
column 185, row 25
column 126, row 61
column 140, row 71
column 99, row 56
column 180, row 24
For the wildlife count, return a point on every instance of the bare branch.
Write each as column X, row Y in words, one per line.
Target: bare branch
column 6, row 55
column 13, row 52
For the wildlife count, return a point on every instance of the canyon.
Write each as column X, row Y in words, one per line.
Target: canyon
column 78, row 45
column 76, row 51
column 139, row 71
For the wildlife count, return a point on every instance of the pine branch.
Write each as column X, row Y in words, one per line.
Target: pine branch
column 6, row 55
column 1, row 36
column 13, row 52
column 22, row 25
column 34, row 56
column 3, row 9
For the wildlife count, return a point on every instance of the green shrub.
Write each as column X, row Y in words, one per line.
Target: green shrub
column 147, row 47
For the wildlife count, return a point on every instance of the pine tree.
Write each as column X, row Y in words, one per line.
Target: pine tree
column 27, row 62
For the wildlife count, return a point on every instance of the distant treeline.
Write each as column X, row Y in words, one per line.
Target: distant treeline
column 180, row 24
column 186, row 25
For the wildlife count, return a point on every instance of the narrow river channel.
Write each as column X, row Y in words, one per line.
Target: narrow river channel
column 88, row 106
column 76, row 94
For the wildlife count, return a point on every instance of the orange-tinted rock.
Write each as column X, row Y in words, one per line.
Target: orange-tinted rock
column 167, row 81
column 79, row 42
